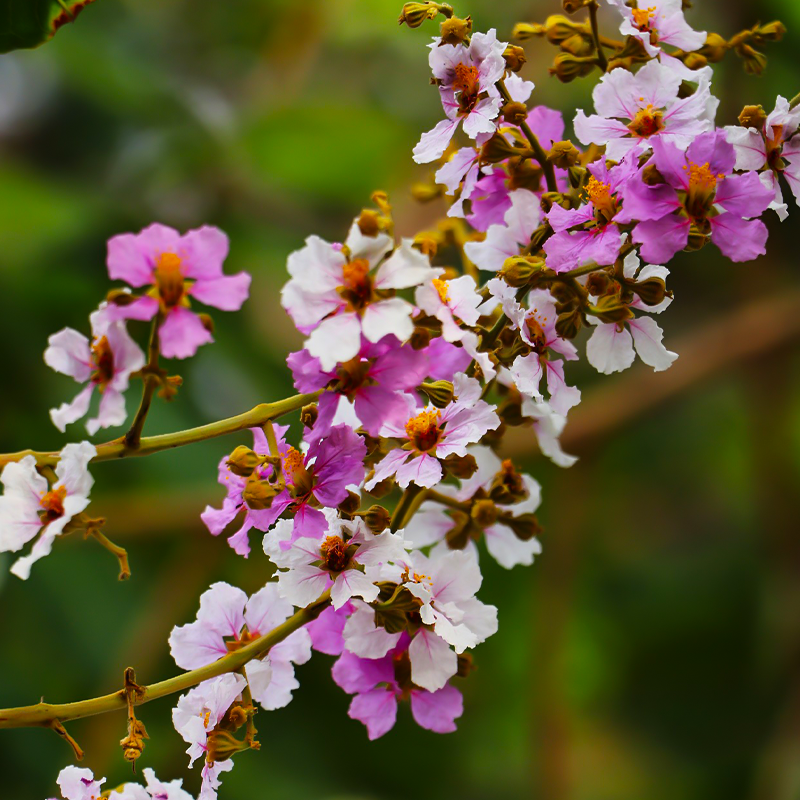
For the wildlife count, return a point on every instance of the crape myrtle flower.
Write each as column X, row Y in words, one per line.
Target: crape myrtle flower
column 175, row 268
column 700, row 195
column 431, row 434
column 453, row 302
column 772, row 151
column 548, row 427
column 537, row 329
column 106, row 363
column 611, row 346
column 590, row 233
column 504, row 241
column 446, row 359
column 80, row 784
column 196, row 717
column 217, row 519
column 466, row 76
column 30, row 508
column 373, row 380
column 228, row 620
column 658, row 22
column 378, row 685
column 633, row 109
column 342, row 562
column 434, row 523
column 339, row 293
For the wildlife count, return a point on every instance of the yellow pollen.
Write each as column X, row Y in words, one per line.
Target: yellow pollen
column 292, row 461
column 354, row 273
column 642, row 17
column 52, row 504
column 423, row 423
column 701, row 177
column 103, row 361
column 466, row 79
column 648, row 120
column 600, row 196
column 441, row 288
column 169, row 279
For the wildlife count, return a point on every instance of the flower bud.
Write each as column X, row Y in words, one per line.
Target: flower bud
column 426, row 244
column 771, row 32
column 572, row 6
column 507, row 485
column 697, row 239
column 652, row 291
column 243, row 461
column 515, row 113
column 597, row 283
column 510, row 411
column 420, row 338
column 550, row 199
column 381, row 489
column 465, row 665
column 222, row 745
column 455, row 30
column 377, row 518
column 440, row 393
column 527, row 30
column 414, row 14
column 484, row 513
column 538, row 237
column 753, row 117
column 515, row 57
column 566, row 67
column 309, row 414
column 206, row 322
column 578, row 45
column 651, row 176
column 568, row 323
column 426, row 192
column 559, row 28
column 498, row 149
column 610, row 308
column 462, row 467
column 754, row 62
column 525, row 526
column 350, row 504
column 518, row 271
column 258, row 494
column 369, row 223
column 695, row 61
column 715, row 48
column 563, row 154
column 459, row 535
column 620, row 62
column 120, row 297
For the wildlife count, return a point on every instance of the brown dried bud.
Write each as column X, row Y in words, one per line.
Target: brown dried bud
column 563, row 154
column 695, row 61
column 651, row 176
column 620, row 62
column 377, row 518
column 462, row 467
column 597, row 283
column 568, row 323
column 754, row 62
column 350, row 504
column 222, row 745
column 120, row 297
column 525, row 526
column 309, row 414
column 515, row 57
column 455, row 30
column 527, row 30
column 465, row 665
column 559, row 28
column 484, row 513
column 369, row 223
column 507, row 485
column 538, row 237
column 381, row 489
column 572, row 6
column 414, row 14
column 715, row 48
column 243, row 461
column 771, row 32
column 258, row 494
column 515, row 113
column 578, row 44
column 459, row 535
column 498, row 149
column 652, row 291
column 518, row 271
column 567, row 67
column 207, row 322
column 753, row 117
column 420, row 338
column 133, row 744
column 440, row 393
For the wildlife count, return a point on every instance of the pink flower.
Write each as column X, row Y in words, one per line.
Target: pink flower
column 343, row 562
column 658, row 22
column 217, row 519
column 106, row 364
column 453, row 302
column 633, row 109
column 431, row 434
column 698, row 191
column 29, row 507
column 773, row 151
column 537, row 329
column 548, row 427
column 339, row 293
column 80, row 784
column 228, row 620
column 374, row 381
column 175, row 268
column 590, row 233
column 378, row 685
column 467, row 76
column 611, row 346
column 432, row 522
column 197, row 714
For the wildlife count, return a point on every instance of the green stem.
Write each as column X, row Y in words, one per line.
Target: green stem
column 53, row 714
column 406, row 506
column 151, row 380
column 446, row 500
column 538, row 151
column 116, row 448
column 602, row 61
column 795, row 101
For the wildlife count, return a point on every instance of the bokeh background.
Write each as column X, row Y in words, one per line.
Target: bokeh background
column 652, row 652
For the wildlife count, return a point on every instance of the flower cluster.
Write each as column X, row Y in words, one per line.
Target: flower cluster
column 419, row 354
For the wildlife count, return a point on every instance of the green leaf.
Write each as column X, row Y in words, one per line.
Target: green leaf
column 29, row 23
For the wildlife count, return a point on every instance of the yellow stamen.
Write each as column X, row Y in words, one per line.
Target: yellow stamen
column 102, row 359
column 466, row 79
column 441, row 288
column 423, row 430
column 52, row 504
column 292, row 461
column 601, row 197
column 169, row 279
column 643, row 18
column 648, row 121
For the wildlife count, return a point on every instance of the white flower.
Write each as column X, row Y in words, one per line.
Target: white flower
column 29, row 507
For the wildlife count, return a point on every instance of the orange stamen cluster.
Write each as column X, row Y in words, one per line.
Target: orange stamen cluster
column 334, row 553
column 103, row 361
column 702, row 178
column 600, row 196
column 643, row 18
column 647, row 122
column 441, row 288
column 169, row 279
column 423, row 430
column 466, row 79
column 354, row 274
column 52, row 504
column 292, row 461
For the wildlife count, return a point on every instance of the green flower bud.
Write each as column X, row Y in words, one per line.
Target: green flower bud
column 243, row 461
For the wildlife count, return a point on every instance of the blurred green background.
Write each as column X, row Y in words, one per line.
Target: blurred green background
column 652, row 652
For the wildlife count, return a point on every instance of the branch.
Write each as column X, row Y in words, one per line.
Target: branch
column 52, row 715
column 151, row 380
column 117, row 448
column 602, row 61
